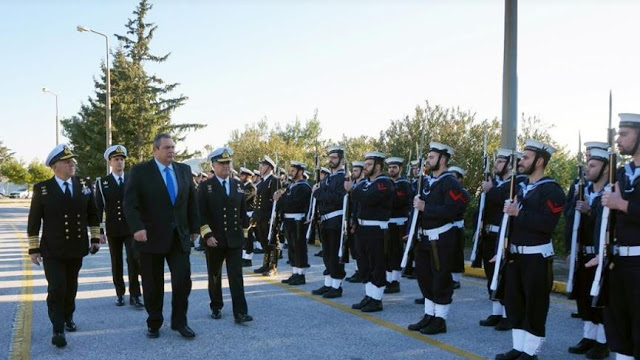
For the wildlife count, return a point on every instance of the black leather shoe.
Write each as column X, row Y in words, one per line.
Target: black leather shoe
column 504, row 325
column 270, row 272
column 246, row 263
column 492, row 320
column 582, row 346
column 153, row 333
column 216, row 314
column 58, row 339
column 355, row 278
column 258, row 251
column 120, row 301
column 199, row 248
column 512, row 354
column 299, row 280
column 525, row 356
column 288, row 280
column 420, row 324
column 362, row 303
column 261, row 269
column 456, row 285
column 392, row 288
column 575, row 316
column 419, row 301
column 372, row 306
column 437, row 325
column 70, row 326
column 321, row 291
column 598, row 351
column 135, row 301
column 318, row 254
column 242, row 318
column 333, row 293
column 185, row 331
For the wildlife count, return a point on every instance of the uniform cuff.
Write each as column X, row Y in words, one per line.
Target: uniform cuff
column 204, row 230
column 34, row 251
column 95, row 231
column 34, row 242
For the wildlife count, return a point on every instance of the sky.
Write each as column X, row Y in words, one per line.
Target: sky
column 361, row 63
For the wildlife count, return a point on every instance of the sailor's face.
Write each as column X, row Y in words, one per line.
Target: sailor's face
column 626, row 140
column 356, row 172
column 368, row 167
column 432, row 160
column 525, row 164
column 334, row 160
column 593, row 169
column 498, row 165
column 394, row 170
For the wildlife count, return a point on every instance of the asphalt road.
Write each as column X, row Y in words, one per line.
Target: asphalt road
column 289, row 323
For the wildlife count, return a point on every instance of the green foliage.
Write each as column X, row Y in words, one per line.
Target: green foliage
column 14, row 171
column 141, row 104
column 5, row 153
column 37, row 171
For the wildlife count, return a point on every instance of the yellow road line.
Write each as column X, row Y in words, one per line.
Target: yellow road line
column 21, row 339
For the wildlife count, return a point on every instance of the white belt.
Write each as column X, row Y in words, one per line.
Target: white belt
column 546, row 250
column 331, row 215
column 398, row 221
column 492, row 229
column 379, row 223
column 626, row 250
column 250, row 213
column 589, row 250
column 295, row 216
column 434, row 234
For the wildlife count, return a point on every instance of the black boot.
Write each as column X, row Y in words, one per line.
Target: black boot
column 437, row 325
column 273, row 262
column 246, row 263
column 362, row 303
column 289, row 279
column 525, row 356
column 58, row 339
column 321, row 291
column 504, row 325
column 419, row 301
column 372, row 306
column 333, row 293
column 392, row 288
column 265, row 264
column 492, row 320
column 299, row 280
column 598, row 351
column 420, row 324
column 512, row 354
column 582, row 346
column 355, row 278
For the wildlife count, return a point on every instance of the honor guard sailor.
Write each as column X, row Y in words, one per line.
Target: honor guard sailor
column 357, row 176
column 109, row 199
column 458, row 263
column 442, row 201
column 535, row 211
column 621, row 316
column 262, row 216
column 329, row 195
column 294, row 202
column 63, row 207
column 223, row 218
column 375, row 199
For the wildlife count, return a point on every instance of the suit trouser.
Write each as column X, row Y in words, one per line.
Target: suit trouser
column 295, row 230
column 394, row 251
column 152, row 269
column 62, row 287
column 436, row 284
column 622, row 315
column 528, row 282
column 133, row 264
column 488, row 246
column 330, row 248
column 233, row 258
column 371, row 260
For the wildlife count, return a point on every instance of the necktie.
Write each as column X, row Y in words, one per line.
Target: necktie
column 224, row 185
column 67, row 191
column 170, row 185
column 120, row 181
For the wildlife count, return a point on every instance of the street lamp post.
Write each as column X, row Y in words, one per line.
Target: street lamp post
column 108, row 120
column 44, row 89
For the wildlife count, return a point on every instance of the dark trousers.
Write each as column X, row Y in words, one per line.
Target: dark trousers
column 62, row 287
column 394, row 251
column 330, row 247
column 488, row 251
column 352, row 245
column 152, row 269
column 583, row 279
column 622, row 316
column 295, row 231
column 528, row 282
column 458, row 254
column 133, row 264
column 233, row 258
column 248, row 241
column 436, row 285
column 371, row 261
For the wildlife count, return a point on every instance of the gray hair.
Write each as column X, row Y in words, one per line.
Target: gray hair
column 158, row 138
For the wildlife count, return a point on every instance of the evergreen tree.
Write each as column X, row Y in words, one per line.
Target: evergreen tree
column 5, row 153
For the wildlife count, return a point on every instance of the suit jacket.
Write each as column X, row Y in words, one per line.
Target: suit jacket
column 109, row 198
column 222, row 216
column 64, row 223
column 264, row 198
column 147, row 206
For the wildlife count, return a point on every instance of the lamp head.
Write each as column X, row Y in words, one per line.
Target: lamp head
column 81, row 28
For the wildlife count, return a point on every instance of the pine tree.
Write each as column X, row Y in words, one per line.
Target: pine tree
column 141, row 104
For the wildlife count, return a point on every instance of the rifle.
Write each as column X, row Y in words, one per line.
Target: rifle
column 577, row 217
column 502, row 256
column 606, row 229
column 409, row 166
column 414, row 216
column 272, row 219
column 476, row 261
column 343, row 250
column 312, row 206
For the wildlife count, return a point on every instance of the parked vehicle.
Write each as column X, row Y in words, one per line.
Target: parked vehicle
column 19, row 194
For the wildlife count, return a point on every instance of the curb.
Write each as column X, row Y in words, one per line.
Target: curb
column 559, row 287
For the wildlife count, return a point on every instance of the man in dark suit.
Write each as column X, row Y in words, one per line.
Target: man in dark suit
column 223, row 217
column 161, row 210
column 109, row 196
column 64, row 207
